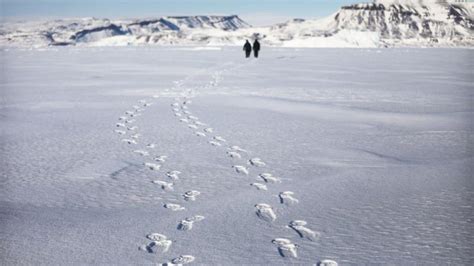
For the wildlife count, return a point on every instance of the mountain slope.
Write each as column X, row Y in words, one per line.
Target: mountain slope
column 381, row 23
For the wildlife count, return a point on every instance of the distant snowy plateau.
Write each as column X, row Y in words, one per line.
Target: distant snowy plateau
column 382, row 23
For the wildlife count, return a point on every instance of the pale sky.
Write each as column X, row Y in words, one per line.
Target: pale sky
column 256, row 12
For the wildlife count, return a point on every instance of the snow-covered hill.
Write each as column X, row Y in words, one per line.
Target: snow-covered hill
column 377, row 24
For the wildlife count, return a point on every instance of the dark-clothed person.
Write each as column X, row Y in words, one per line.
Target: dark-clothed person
column 247, row 48
column 256, row 48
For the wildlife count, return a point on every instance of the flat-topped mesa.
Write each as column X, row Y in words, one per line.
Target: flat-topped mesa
column 227, row 23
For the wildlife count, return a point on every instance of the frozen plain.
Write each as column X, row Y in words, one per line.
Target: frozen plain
column 376, row 145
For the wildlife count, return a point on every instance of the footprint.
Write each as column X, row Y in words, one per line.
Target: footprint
column 327, row 263
column 241, row 169
column 135, row 136
column 285, row 247
column 257, row 162
column 259, row 186
column 304, row 232
column 269, row 178
column 174, row 207
column 209, row 130
column 200, row 134
column 123, row 118
column 153, row 166
column 192, row 117
column 265, row 212
column 161, row 158
column 286, row 198
column 130, row 121
column 132, row 128
column 192, row 126
column 175, row 104
column 215, row 143
column 219, row 138
column 234, row 154
column 183, row 259
column 191, row 195
column 159, row 241
column 184, row 120
column 176, row 110
column 164, row 185
column 142, row 101
column 141, row 152
column 147, row 104
column 177, row 114
column 173, row 174
column 151, row 145
column 120, row 125
column 237, row 148
column 129, row 112
column 187, row 223
column 199, row 123
column 120, row 132
column 129, row 141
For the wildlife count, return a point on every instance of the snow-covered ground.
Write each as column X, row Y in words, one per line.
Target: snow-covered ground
column 376, row 146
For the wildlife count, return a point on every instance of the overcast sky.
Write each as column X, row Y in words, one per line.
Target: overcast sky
column 256, row 12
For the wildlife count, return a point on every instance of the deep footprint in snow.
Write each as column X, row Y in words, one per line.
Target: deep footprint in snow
column 192, row 117
column 192, row 126
column 215, row 143
column 200, row 134
column 177, row 114
column 187, row 223
column 132, row 128
column 237, row 148
column 259, row 186
column 327, row 263
column 191, row 195
column 219, row 138
column 287, row 198
column 173, row 174
column 184, row 120
column 129, row 141
column 234, row 154
column 199, row 123
column 166, row 186
column 285, row 247
column 269, row 178
column 120, row 125
column 135, row 136
column 159, row 242
column 209, row 130
column 174, row 207
column 183, row 259
column 241, row 169
column 120, row 132
column 257, row 162
column 304, row 232
column 151, row 145
column 161, row 158
column 141, row 152
column 153, row 166
column 265, row 212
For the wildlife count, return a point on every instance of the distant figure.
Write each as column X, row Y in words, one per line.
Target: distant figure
column 247, row 48
column 256, row 48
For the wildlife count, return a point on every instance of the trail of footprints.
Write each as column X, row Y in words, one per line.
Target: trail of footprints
column 264, row 211
column 158, row 243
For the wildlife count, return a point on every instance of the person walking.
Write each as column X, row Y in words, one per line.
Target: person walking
column 256, row 48
column 247, row 48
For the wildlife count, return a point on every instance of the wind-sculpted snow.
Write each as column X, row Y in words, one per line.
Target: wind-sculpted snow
column 373, row 146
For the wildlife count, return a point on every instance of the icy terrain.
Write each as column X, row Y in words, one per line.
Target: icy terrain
column 154, row 155
column 383, row 23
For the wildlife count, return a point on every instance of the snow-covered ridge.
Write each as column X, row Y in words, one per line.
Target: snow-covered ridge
column 377, row 24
